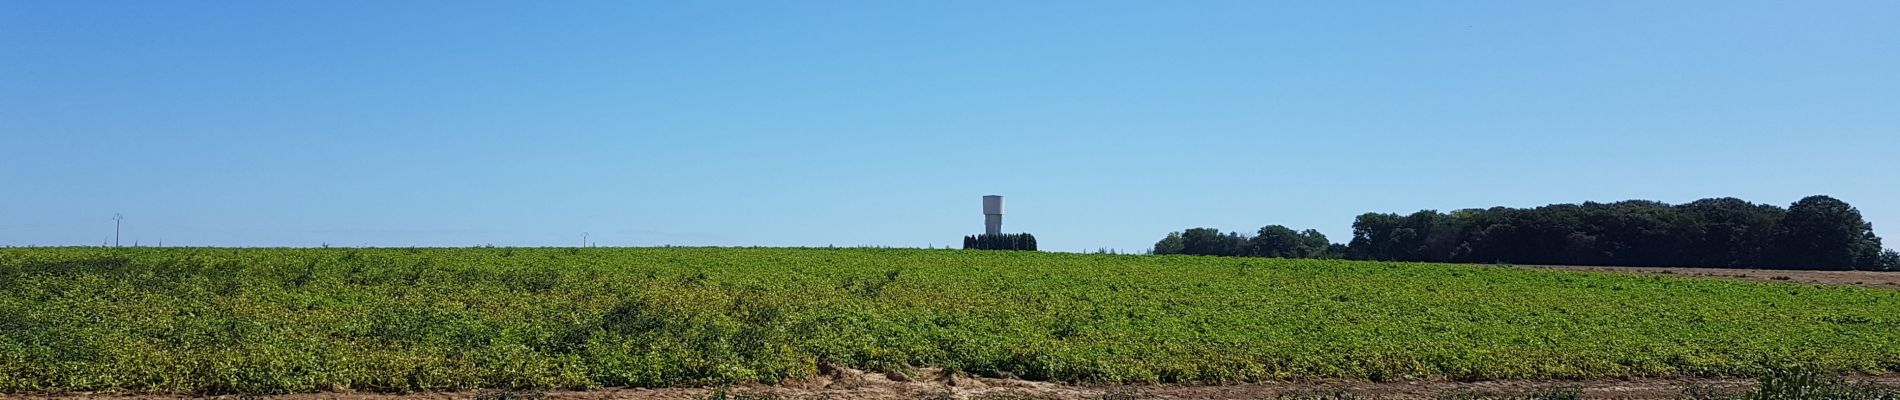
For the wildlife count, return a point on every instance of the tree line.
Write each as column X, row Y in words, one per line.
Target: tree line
column 1001, row 241
column 1817, row 232
column 1269, row 241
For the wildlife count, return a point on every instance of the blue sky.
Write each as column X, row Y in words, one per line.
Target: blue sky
column 1107, row 124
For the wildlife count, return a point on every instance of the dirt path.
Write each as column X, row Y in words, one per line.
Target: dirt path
column 1860, row 278
column 934, row 385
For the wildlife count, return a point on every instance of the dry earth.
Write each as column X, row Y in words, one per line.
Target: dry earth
column 1860, row 278
column 933, row 384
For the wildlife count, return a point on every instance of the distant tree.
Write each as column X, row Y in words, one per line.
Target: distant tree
column 1170, row 245
column 1821, row 232
column 1272, row 241
column 1816, row 232
column 1728, row 232
column 1276, row 241
column 1420, row 238
column 1004, row 241
column 1889, row 260
column 1722, row 232
column 1377, row 236
column 1335, row 250
column 1638, row 232
column 1314, row 244
column 1445, row 237
column 1210, row 242
column 1868, row 252
column 1283, row 242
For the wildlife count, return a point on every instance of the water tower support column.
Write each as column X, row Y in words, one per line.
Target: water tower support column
column 992, row 214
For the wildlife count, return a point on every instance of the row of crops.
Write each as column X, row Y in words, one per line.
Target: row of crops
column 204, row 320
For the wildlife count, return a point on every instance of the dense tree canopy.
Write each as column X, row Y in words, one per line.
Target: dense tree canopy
column 1823, row 233
column 1818, row 232
column 1729, row 232
column 1003, row 241
column 1209, row 241
column 1270, row 241
column 1283, row 242
column 1172, row 244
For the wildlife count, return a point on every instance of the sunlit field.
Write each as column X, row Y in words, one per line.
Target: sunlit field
column 203, row 320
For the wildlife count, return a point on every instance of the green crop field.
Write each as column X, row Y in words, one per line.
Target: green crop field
column 299, row 320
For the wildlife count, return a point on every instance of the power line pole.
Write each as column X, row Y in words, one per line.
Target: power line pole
column 584, row 239
column 116, row 218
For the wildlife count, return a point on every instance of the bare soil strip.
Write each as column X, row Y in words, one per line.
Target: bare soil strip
column 1879, row 279
column 932, row 384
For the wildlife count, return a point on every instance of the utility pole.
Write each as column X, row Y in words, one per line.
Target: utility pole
column 583, row 239
column 116, row 218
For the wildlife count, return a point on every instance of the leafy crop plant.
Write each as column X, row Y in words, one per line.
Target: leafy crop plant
column 208, row 320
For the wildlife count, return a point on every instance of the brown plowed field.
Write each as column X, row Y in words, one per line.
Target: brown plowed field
column 1861, row 278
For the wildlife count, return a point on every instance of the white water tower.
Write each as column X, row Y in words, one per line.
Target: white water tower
column 992, row 214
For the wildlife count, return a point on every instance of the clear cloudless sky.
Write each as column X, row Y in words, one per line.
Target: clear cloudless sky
column 813, row 123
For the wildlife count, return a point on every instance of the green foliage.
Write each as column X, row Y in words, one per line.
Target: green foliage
column 1001, row 241
column 1172, row 244
column 202, row 320
column 1271, row 241
column 1817, row 232
column 1282, row 242
column 1210, row 242
column 1202, row 242
column 1821, row 232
